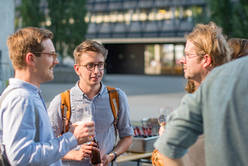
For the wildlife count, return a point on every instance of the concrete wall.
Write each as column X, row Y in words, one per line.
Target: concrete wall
column 64, row 75
column 6, row 28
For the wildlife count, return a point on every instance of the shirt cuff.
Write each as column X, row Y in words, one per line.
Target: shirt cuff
column 71, row 138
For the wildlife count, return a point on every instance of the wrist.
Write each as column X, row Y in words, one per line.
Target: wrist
column 114, row 155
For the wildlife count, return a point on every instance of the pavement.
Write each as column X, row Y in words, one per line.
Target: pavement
column 146, row 94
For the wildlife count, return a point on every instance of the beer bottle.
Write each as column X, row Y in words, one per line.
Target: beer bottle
column 96, row 157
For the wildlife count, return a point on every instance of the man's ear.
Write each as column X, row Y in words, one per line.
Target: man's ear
column 30, row 59
column 76, row 68
column 207, row 60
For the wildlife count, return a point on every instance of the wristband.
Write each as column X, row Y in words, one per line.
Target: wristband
column 115, row 156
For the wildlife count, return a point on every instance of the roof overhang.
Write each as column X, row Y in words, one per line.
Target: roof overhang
column 140, row 40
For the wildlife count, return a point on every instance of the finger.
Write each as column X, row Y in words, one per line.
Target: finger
column 89, row 124
column 86, row 155
column 89, row 152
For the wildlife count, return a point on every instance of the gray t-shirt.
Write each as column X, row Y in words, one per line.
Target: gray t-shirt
column 102, row 116
column 219, row 110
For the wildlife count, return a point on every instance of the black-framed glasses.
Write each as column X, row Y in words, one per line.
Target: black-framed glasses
column 53, row 54
column 91, row 66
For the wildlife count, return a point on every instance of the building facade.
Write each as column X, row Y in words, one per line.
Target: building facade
column 143, row 36
column 6, row 28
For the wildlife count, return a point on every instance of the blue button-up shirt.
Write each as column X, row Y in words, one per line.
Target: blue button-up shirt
column 102, row 116
column 18, row 128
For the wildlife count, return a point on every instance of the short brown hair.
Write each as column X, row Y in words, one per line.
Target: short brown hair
column 24, row 41
column 209, row 40
column 239, row 47
column 89, row 45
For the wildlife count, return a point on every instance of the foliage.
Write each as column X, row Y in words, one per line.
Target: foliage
column 30, row 13
column 67, row 23
column 240, row 21
column 65, row 18
column 221, row 13
column 231, row 16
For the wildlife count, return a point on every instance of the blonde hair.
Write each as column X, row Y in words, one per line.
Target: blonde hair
column 209, row 39
column 89, row 45
column 24, row 41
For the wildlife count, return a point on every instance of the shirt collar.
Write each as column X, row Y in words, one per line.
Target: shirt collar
column 101, row 92
column 15, row 82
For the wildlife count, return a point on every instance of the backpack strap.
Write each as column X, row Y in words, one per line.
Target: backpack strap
column 114, row 103
column 65, row 108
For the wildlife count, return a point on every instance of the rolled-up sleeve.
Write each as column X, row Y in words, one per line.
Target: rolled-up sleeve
column 20, row 129
column 183, row 128
column 124, row 124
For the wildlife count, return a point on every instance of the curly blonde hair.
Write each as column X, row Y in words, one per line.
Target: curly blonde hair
column 208, row 39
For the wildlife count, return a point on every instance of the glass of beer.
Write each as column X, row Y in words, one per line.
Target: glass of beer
column 83, row 113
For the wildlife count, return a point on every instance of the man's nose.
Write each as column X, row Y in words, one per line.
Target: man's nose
column 56, row 60
column 182, row 60
column 96, row 69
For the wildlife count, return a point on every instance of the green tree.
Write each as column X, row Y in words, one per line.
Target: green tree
column 67, row 23
column 240, row 19
column 30, row 13
column 221, row 12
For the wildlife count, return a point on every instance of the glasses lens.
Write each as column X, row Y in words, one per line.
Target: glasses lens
column 101, row 66
column 90, row 66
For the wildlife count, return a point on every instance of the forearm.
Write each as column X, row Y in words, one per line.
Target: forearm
column 123, row 145
column 35, row 153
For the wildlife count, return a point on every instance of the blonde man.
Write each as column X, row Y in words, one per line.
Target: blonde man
column 26, row 135
column 205, row 49
column 89, row 59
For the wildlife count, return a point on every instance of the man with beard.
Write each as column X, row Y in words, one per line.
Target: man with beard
column 26, row 134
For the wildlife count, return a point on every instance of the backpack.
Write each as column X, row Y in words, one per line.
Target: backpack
column 65, row 108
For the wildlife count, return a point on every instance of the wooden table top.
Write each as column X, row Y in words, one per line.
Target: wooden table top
column 128, row 156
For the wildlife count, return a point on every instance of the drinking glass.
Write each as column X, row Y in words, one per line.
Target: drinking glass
column 83, row 113
column 164, row 112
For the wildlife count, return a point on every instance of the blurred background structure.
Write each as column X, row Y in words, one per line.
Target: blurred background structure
column 143, row 36
column 7, row 10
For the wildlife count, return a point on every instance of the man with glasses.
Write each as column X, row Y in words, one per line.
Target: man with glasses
column 89, row 59
column 219, row 110
column 205, row 49
column 26, row 134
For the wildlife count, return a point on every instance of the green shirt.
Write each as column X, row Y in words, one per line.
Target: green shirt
column 219, row 110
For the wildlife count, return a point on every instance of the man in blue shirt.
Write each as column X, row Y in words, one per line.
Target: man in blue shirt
column 219, row 110
column 89, row 59
column 26, row 135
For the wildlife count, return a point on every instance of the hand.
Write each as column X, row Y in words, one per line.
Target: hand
column 85, row 151
column 83, row 132
column 106, row 159
column 161, row 129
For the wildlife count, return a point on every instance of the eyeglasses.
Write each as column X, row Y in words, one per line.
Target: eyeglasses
column 53, row 54
column 188, row 56
column 91, row 66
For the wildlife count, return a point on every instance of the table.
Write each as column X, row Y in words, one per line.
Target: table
column 138, row 157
